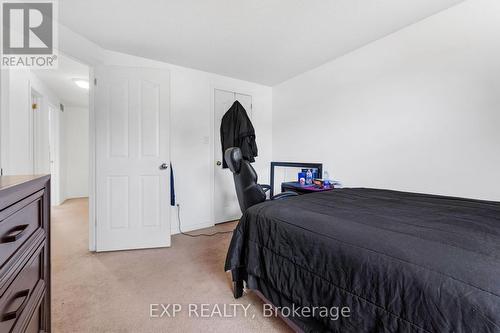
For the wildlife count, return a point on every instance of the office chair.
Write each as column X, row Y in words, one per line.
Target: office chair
column 248, row 191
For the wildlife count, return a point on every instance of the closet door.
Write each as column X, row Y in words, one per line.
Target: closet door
column 226, row 206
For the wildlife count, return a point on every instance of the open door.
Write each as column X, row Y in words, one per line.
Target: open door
column 132, row 154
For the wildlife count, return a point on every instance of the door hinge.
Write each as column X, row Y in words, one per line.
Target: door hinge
column 95, row 81
column 1, row 171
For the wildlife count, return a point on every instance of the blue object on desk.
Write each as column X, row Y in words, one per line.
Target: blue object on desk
column 301, row 175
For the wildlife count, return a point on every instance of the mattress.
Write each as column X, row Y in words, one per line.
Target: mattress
column 401, row 262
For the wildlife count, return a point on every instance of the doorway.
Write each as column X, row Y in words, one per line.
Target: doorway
column 40, row 132
column 226, row 206
column 45, row 141
column 60, row 109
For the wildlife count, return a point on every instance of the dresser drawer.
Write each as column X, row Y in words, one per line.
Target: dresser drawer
column 18, row 302
column 17, row 223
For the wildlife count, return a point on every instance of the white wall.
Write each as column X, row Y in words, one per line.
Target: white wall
column 75, row 127
column 4, row 116
column 191, row 122
column 16, row 128
column 418, row 110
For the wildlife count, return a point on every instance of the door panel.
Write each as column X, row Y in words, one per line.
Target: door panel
column 118, row 214
column 226, row 206
column 132, row 141
column 150, row 193
column 149, row 119
column 118, row 96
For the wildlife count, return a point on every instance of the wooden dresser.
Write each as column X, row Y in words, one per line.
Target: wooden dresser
column 24, row 254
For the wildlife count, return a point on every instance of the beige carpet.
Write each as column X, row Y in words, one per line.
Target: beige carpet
column 112, row 292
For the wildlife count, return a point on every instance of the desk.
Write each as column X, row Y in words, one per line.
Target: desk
column 303, row 189
column 317, row 166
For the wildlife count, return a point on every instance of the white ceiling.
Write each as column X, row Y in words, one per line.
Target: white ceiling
column 264, row 41
column 60, row 81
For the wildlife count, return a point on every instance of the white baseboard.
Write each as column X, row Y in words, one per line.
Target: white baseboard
column 189, row 227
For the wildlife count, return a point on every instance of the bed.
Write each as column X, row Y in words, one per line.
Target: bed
column 401, row 262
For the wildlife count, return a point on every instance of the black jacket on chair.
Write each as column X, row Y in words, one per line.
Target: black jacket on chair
column 236, row 130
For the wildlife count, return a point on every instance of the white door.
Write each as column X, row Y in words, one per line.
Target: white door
column 226, row 206
column 132, row 108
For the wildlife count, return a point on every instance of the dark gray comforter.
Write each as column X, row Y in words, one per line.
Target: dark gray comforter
column 402, row 262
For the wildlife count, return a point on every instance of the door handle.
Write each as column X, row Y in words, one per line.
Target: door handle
column 219, row 163
column 15, row 314
column 163, row 166
column 14, row 234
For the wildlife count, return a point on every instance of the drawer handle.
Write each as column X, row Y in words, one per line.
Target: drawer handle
column 15, row 233
column 15, row 314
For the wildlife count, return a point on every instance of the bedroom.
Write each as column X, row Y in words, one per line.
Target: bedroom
column 387, row 95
